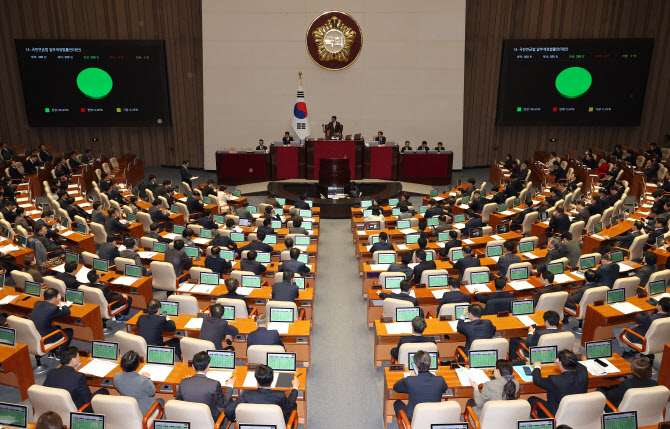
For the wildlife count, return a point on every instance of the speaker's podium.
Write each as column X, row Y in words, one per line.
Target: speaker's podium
column 350, row 151
column 334, row 172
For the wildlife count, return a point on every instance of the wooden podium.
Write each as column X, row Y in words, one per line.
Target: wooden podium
column 334, row 172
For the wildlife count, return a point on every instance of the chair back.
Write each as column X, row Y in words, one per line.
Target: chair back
column 405, row 349
column 22, row 231
column 20, row 278
column 375, row 255
column 236, row 219
column 88, row 257
column 509, row 203
column 55, row 283
column 145, row 220
column 426, row 273
column 194, row 272
column 391, row 304
column 240, row 306
column 260, row 414
column 503, row 414
column 519, row 265
column 589, row 297
column 568, row 201
column 430, row 413
column 191, row 346
column 26, row 333
column 121, row 412
column 188, row 304
column 470, row 270
column 197, row 414
column 552, row 301
column 186, row 187
column 657, row 336
column 528, row 222
column 607, row 216
column 630, row 284
column 636, row 249
column 487, row 210
column 450, row 254
column 237, row 275
column 99, row 233
column 592, row 221
column 581, row 411
column 259, row 353
column 95, row 296
column 649, row 402
column 431, row 251
column 535, row 240
column 595, row 255
column 282, row 304
column 450, row 309
column 500, row 344
column 576, row 230
column 658, row 275
column 121, row 263
column 147, row 242
column 45, row 399
column 183, row 210
column 562, row 340
column 164, row 277
column 128, row 342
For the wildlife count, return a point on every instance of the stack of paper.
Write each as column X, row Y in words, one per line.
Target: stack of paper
column 526, row 320
column 453, row 324
column 9, row 248
column 203, row 289
column 245, row 291
column 464, row 206
column 147, row 255
column 170, row 236
column 402, row 246
column 8, row 299
column 98, row 367
column 379, row 267
column 194, row 323
column 185, row 287
column 507, row 212
column 521, row 285
column 468, row 241
column 467, row 375
column 407, row 231
column 599, row 237
column 459, row 225
column 595, row 369
column 530, row 255
column 67, row 233
column 623, row 268
column 201, row 240
column 437, row 293
column 398, row 328
column 440, row 244
column 478, row 288
column 495, row 258
column 497, row 237
column 60, row 268
column 626, row 307
column 562, row 278
column 220, row 376
column 82, row 275
column 124, row 280
column 157, row 372
column 281, row 327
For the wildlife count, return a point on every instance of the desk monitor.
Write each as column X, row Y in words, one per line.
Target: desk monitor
column 496, row 250
column 278, row 314
column 251, row 281
column 393, row 282
column 71, row 257
column 423, row 209
column 460, row 309
column 87, row 421
column 386, row 258
column 483, row 358
column 366, row 203
column 282, row 361
column 160, row 355
column 305, row 213
column 252, row 209
column 393, row 201
column 656, row 287
column 517, row 202
column 101, row 265
column 74, row 296
column 171, row 424
column 450, row 426
column 243, row 426
column 617, row 256
column 412, row 238
column 2, row 280
column 219, row 359
column 374, row 239
column 81, row 229
column 178, row 229
column 21, row 241
column 206, row 200
column 402, row 224
column 544, row 216
column 279, row 211
column 433, row 221
column 433, row 361
column 520, row 273
column 459, row 218
column 587, row 262
column 598, row 349
column 522, row 306
column 7, row 336
column 406, row 314
column 281, row 201
column 615, row 220
column 237, row 237
column 237, row 193
column 205, row 233
column 304, row 258
column 275, row 224
column 373, row 225
column 476, row 232
column 395, row 211
column 302, row 240
column 433, row 192
column 544, row 354
column 457, row 254
column 616, row 295
column 536, row 424
column 158, row 247
column 13, row 415
column 105, row 350
column 479, row 277
column 300, row 282
column 466, row 200
column 597, row 228
column 429, row 255
column 133, row 271
column 192, row 252
column 228, row 312
column 169, row 308
column 244, row 222
column 226, row 254
column 211, row 279
column 502, row 207
column 660, row 241
column 131, row 217
column 529, row 199
column 555, row 268
column 367, row 212
column 443, row 236
column 626, row 213
column 438, row 280
column 65, row 222
column 219, row 219
column 621, row 420
column 502, row 228
column 263, row 257
column 526, row 246
column 5, row 231
column 270, row 239
column 32, row 288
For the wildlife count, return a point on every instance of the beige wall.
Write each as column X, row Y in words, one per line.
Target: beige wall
column 407, row 81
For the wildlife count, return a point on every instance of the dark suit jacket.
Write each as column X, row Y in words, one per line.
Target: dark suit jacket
column 435, row 211
column 199, row 388
column 217, row 264
column 43, row 315
column 155, row 236
column 645, row 272
column 113, row 226
column 453, row 297
column 616, row 395
column 467, row 262
column 475, row 330
column 644, row 321
column 559, row 173
column 74, row 382
column 475, row 222
column 185, row 174
column 264, row 396
column 582, row 216
column 178, row 259
column 381, row 246
column 207, row 223
column 412, row 339
column 29, row 167
column 505, row 261
column 579, row 293
column 423, row 266
column 108, row 251
column 287, row 140
column 532, row 340
column 194, row 206
column 151, row 327
column 448, row 245
column 215, row 330
column 285, row 291
column 478, row 204
column 402, row 268
column 560, row 223
column 265, row 337
column 99, row 217
column 69, row 280
column 494, row 295
column 572, row 251
column 295, row 266
column 550, row 256
column 561, row 385
column 14, row 173
column 253, row 266
column 402, row 296
column 422, row 388
column 223, row 241
column 608, row 274
column 49, row 245
column 258, row 246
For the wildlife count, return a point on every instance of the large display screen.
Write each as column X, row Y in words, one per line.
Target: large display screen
column 94, row 82
column 573, row 81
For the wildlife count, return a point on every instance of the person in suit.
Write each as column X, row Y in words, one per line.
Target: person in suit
column 589, row 162
column 231, row 286
column 194, row 203
column 154, row 228
column 406, row 147
column 130, row 252
column 257, row 245
column 569, row 249
column 422, row 265
column 87, row 157
column 287, row 139
column 607, row 272
column 423, row 387
column 70, row 208
column 251, row 264
column 31, row 165
column 186, row 175
column 507, row 259
column 433, row 209
column 5, row 152
column 499, row 283
column 624, row 241
column 405, row 287
column 217, row 330
column 66, row 377
column 558, row 172
column 654, row 151
column 648, row 269
column 263, row 336
column 333, row 128
column 301, row 204
column 43, row 314
column 591, row 281
column 48, row 244
column 547, row 281
column 382, row 244
column 14, row 173
column 97, row 215
column 660, row 228
column 206, row 220
column 453, row 295
column 223, row 241
column 297, row 227
column 502, row 387
column 266, row 228
column 403, row 266
column 380, row 138
column 583, row 213
column 444, row 224
column 641, row 370
column 242, row 212
column 642, row 324
column 467, row 261
column 178, row 258
column 523, row 172
column 261, row 146
column 473, row 221
column 94, row 282
column 204, row 390
column 44, row 154
column 113, row 225
column 151, row 326
column 216, row 263
column 286, row 290
column 651, row 169
column 110, row 249
column 573, row 379
column 439, row 147
column 22, row 219
column 551, row 323
column 67, row 277
column 453, row 242
column 553, row 245
column 478, row 202
column 136, row 385
column 476, row 328
column 293, row 264
column 497, row 196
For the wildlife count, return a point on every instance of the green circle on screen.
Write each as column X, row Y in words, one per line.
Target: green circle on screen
column 573, row 82
column 94, row 83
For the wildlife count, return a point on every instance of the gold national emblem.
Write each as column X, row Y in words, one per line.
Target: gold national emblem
column 334, row 40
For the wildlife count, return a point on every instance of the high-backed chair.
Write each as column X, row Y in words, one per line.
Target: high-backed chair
column 95, row 296
column 20, row 278
column 88, row 258
column 121, row 263
column 262, row 414
column 606, row 218
column 391, row 304
column 499, row 414
column 187, row 304
column 519, row 265
column 164, row 277
column 99, row 233
column 147, row 242
column 198, row 415
column 405, row 349
column 194, row 272
column 191, row 346
column 552, row 301
column 431, row 413
column 649, row 402
column 535, row 241
column 123, row 412
column 128, row 342
column 636, row 249
column 630, row 284
column 658, row 275
column 259, row 353
column 237, row 275
column 487, row 210
column 59, row 285
column 145, row 220
column 38, row 346
column 45, row 399
column 653, row 341
column 592, row 221
column 500, row 344
column 589, row 297
column 528, row 222
column 595, row 255
column 562, row 341
column 578, row 411
column 576, row 230
column 297, row 314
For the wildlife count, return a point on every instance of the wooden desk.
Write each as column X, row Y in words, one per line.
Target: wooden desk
column 17, row 370
column 78, row 242
column 600, row 320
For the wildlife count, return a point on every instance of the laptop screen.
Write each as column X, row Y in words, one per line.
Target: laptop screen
column 105, row 350
column 617, row 256
column 101, row 265
column 178, row 229
column 622, row 420
column 302, row 240
column 393, row 201
column 7, row 336
column 21, row 241
column 393, row 282
column 263, row 257
column 480, row 277
column 587, row 262
column 483, row 358
column 433, row 192
column 366, row 203
column 556, row 268
column 423, row 209
column 544, row 216
column 270, row 239
column 305, row 213
column 496, row 250
column 536, row 424
column 459, row 218
column 412, row 238
column 13, row 415
column 300, row 282
column 71, row 257
column 438, row 280
column 191, row 252
column 518, row 273
column 395, row 211
column 160, row 355
column 32, row 288
column 205, row 233
column 211, row 279
column 169, row 424
column 406, row 314
column 159, row 247
column 133, row 271
column 275, row 224
column 599, row 349
column 597, row 228
column 278, row 314
column 522, row 307
column 526, row 246
column 74, row 296
column 169, row 308
column 433, row 221
column 220, row 359
column 475, row 232
column 281, row 201
column 244, row 222
column 457, row 254
column 386, row 258
column 282, row 361
column 502, row 207
column 87, row 421
column 433, row 361
column 237, row 237
column 546, row 354
column 251, row 281
column 616, row 295
column 443, row 236
column 237, row 193
column 402, row 224
column 656, row 287
column 502, row 228
column 219, row 219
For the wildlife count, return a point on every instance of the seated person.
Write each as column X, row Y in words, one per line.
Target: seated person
column 262, row 335
column 48, row 244
column 403, row 266
column 422, row 386
column 266, row 228
column 406, row 147
column 559, row 222
column 473, row 221
column 453, row 242
column 131, row 383
column 261, row 146
column 231, row 286
column 297, row 227
column 194, row 203
column 382, row 244
column 151, row 326
column 418, row 326
column 256, row 245
column 642, row 370
column 467, row 261
column 551, row 322
column 573, row 379
column 293, row 264
column 157, row 214
column 547, row 281
column 109, row 250
column 591, row 281
column 204, row 390
column 216, row 330
column 502, row 387
column 507, row 259
column 187, row 236
column 111, row 297
column 265, row 395
column 251, row 264
column 154, row 228
column 433, row 209
column 475, row 328
column 68, row 277
column 206, row 220
column 285, row 290
column 178, row 258
column 216, row 263
column 223, row 240
column 499, row 283
column 607, row 272
column 130, row 252
column 43, row 314
column 453, row 295
column 422, row 265
column 405, row 287
column 287, row 139
column 242, row 212
column 642, row 324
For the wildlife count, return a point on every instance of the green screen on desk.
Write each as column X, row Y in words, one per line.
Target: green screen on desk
column 616, row 295
column 556, row 268
column 433, row 361
column 393, row 282
column 162, row 355
column 543, row 354
column 406, row 314
column 228, row 312
column 518, row 273
column 13, row 415
column 622, row 420
column 459, row 309
column 412, row 238
column 251, row 281
column 7, row 336
column 134, row 271
column 221, row 359
column 588, row 262
column 522, row 307
column 281, row 315
column 483, row 359
column 74, row 296
column 656, row 287
column 526, row 246
column 598, row 349
column 437, row 280
column 105, row 350
column 281, row 361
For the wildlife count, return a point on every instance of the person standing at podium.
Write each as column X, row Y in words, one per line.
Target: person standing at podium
column 333, row 128
column 380, row 138
column 287, row 139
column 261, row 146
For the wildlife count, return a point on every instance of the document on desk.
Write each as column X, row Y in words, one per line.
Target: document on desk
column 408, row 231
column 626, row 307
column 464, row 206
column 67, row 233
column 465, row 375
column 595, row 369
column 60, row 268
column 507, row 212
column 23, row 200
column 170, row 236
column 201, row 240
column 563, row 278
column 497, row 237
column 379, row 267
column 157, row 372
column 402, row 246
column 459, row 225
column 526, row 320
column 204, row 289
column 437, row 293
column 521, row 285
column 147, row 255
column 244, row 291
column 9, row 248
column 468, row 241
column 453, row 324
column 624, row 268
column 98, row 367
column 125, row 280
column 577, row 274
column 302, row 248
column 367, row 248
column 440, row 244
column 194, row 323
column 220, row 376
column 599, row 237
column 413, row 264
column 495, row 258
column 82, row 275
column 477, row 288
column 281, row 327
column 398, row 328
column 530, row 255
column 185, row 287
column 8, row 299
column 250, row 380
column 361, row 232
